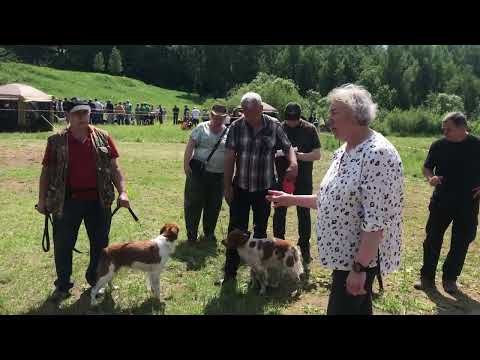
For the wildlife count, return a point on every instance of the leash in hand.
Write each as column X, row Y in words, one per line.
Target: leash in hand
column 46, row 233
column 129, row 209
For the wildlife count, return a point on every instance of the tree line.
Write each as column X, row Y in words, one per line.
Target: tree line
column 398, row 76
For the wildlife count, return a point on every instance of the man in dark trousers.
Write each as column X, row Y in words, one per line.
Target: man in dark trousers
column 250, row 148
column 305, row 141
column 453, row 168
column 85, row 192
column 175, row 114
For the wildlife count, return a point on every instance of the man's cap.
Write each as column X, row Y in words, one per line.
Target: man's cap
column 293, row 108
column 76, row 105
column 219, row 110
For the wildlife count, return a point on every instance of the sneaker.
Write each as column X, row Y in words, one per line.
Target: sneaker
column 424, row 284
column 450, row 286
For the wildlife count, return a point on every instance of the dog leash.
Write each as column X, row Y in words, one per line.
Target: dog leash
column 129, row 209
column 46, row 233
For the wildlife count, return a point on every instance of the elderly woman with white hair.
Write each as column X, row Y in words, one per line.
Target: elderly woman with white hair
column 359, row 203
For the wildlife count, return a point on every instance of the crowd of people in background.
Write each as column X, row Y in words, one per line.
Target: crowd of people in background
column 124, row 113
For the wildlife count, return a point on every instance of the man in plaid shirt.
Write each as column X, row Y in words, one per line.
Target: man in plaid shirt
column 250, row 150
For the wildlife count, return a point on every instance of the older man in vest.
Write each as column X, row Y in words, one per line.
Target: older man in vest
column 79, row 171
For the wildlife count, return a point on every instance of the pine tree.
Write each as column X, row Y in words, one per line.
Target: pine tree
column 99, row 62
column 115, row 62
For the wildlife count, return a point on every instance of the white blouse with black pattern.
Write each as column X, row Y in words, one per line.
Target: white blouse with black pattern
column 362, row 190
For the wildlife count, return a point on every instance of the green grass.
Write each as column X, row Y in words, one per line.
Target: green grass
column 155, row 183
column 86, row 85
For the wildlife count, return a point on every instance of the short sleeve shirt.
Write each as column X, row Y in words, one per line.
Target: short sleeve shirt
column 205, row 141
column 361, row 191
column 458, row 163
column 255, row 152
column 305, row 138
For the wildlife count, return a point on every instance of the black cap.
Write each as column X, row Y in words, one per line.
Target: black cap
column 293, row 108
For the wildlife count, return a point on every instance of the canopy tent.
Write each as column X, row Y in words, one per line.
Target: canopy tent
column 16, row 104
column 269, row 108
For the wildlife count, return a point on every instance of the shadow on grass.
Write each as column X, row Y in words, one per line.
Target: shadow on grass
column 106, row 306
column 230, row 301
column 195, row 255
column 462, row 305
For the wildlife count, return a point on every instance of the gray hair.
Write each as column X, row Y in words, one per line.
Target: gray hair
column 458, row 118
column 358, row 99
column 249, row 98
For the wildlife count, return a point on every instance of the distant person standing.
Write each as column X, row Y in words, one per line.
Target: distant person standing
column 453, row 168
column 186, row 111
column 137, row 114
column 109, row 108
column 119, row 111
column 92, row 111
column 128, row 111
column 196, row 116
column 176, row 110
column 164, row 115
column 160, row 114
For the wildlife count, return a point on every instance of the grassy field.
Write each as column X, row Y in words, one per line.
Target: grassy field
column 152, row 160
column 89, row 85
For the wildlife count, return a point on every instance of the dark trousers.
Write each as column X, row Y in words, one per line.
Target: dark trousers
column 175, row 119
column 65, row 231
column 303, row 215
column 340, row 302
column 239, row 218
column 464, row 230
column 202, row 194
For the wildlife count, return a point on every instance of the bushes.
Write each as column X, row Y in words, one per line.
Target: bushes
column 273, row 90
column 413, row 122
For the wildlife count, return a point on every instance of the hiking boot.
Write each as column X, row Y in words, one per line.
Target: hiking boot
column 450, row 286
column 424, row 284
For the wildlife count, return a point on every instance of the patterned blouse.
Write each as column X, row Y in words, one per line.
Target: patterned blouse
column 362, row 190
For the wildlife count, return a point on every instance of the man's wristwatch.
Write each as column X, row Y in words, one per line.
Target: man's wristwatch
column 358, row 268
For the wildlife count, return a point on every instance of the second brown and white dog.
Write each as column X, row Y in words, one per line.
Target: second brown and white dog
column 149, row 256
column 265, row 255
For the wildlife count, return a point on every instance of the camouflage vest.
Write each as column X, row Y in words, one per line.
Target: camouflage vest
column 58, row 170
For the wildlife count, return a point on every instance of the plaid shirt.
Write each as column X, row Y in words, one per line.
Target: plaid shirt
column 255, row 153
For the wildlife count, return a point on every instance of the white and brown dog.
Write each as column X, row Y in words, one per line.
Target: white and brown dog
column 265, row 255
column 149, row 256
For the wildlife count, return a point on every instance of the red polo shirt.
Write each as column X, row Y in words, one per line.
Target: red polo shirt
column 81, row 166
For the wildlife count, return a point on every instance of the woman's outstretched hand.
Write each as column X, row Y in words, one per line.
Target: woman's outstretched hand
column 279, row 198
